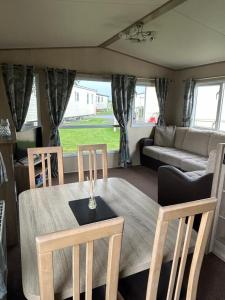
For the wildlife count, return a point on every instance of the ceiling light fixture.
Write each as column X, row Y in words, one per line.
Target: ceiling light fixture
column 137, row 34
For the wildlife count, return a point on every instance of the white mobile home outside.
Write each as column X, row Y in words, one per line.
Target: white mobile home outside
column 82, row 102
column 102, row 102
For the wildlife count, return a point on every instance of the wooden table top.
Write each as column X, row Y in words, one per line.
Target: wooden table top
column 46, row 210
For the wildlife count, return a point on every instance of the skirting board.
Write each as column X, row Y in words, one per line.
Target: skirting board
column 219, row 250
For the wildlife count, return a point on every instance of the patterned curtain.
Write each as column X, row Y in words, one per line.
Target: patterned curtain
column 123, row 91
column 18, row 81
column 59, row 86
column 161, row 86
column 188, row 102
column 3, row 174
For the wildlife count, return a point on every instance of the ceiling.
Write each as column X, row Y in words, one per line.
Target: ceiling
column 191, row 34
column 67, row 23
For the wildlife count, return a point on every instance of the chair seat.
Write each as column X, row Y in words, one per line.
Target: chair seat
column 134, row 287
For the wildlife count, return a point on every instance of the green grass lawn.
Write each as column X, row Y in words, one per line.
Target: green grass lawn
column 71, row 137
column 90, row 121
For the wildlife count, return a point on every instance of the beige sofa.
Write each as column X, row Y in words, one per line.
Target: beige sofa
column 185, row 148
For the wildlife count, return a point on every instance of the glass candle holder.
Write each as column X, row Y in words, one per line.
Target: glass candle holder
column 92, row 203
column 5, row 132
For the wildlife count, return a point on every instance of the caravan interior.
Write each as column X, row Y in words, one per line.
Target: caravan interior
column 112, row 149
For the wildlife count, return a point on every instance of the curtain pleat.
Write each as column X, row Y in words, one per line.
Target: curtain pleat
column 123, row 92
column 161, row 86
column 188, row 102
column 18, row 80
column 59, row 84
column 3, row 174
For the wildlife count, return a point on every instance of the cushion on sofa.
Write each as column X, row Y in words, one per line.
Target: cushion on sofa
column 164, row 136
column 193, row 164
column 193, row 175
column 215, row 138
column 196, row 141
column 179, row 137
column 179, row 158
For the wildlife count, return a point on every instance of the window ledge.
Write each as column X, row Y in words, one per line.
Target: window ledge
column 208, row 129
column 142, row 125
column 74, row 154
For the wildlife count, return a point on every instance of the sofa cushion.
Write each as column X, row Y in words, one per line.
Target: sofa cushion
column 153, row 151
column 196, row 141
column 179, row 137
column 179, row 158
column 193, row 175
column 215, row 138
column 194, row 163
column 164, row 136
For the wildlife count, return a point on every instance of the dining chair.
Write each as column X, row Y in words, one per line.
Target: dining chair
column 39, row 163
column 151, row 280
column 74, row 238
column 92, row 162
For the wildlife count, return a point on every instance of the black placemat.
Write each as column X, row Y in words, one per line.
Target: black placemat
column 84, row 215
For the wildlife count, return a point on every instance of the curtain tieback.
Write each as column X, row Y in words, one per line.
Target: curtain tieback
column 54, row 132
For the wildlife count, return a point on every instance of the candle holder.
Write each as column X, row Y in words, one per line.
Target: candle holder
column 5, row 132
column 92, row 202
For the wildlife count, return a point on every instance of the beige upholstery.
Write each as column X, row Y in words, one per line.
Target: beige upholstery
column 195, row 174
column 215, row 138
column 164, row 136
column 179, row 158
column 191, row 149
column 196, row 141
column 179, row 137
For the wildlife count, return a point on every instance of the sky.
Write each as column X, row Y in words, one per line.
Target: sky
column 103, row 87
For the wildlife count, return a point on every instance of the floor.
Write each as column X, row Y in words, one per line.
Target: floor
column 211, row 284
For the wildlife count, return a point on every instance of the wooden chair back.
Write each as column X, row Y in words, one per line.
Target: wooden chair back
column 74, row 238
column 42, row 156
column 91, row 149
column 206, row 208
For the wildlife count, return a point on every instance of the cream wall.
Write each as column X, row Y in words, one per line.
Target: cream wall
column 176, row 97
column 84, row 60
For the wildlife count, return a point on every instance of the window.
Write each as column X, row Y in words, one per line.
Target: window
column 87, row 98
column 76, row 96
column 32, row 113
column 145, row 108
column 209, row 106
column 89, row 124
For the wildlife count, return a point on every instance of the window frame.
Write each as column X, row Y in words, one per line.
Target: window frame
column 221, row 96
column 93, row 78
column 146, row 83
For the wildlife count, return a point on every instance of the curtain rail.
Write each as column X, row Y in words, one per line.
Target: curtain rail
column 207, row 78
column 83, row 75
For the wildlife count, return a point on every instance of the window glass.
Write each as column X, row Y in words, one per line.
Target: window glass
column 222, row 119
column 206, row 105
column 90, row 121
column 146, row 108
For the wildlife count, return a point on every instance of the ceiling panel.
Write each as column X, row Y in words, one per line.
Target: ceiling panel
column 67, row 23
column 181, row 42
column 210, row 13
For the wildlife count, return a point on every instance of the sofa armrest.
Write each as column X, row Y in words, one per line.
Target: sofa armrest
column 174, row 186
column 145, row 142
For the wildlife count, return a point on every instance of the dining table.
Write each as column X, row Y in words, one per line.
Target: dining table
column 46, row 210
